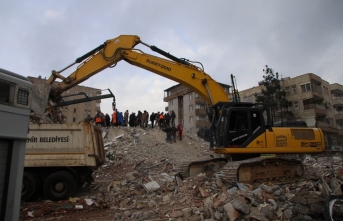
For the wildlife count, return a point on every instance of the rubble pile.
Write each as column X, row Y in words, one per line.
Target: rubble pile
column 138, row 182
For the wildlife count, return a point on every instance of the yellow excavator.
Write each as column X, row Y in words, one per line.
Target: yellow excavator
column 239, row 129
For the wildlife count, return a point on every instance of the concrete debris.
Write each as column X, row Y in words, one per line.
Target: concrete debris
column 139, row 183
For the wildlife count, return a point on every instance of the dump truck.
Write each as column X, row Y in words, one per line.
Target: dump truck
column 60, row 158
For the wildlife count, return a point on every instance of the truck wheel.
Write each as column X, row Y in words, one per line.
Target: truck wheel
column 59, row 185
column 29, row 186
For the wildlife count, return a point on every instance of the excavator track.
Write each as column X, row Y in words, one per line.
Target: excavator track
column 192, row 168
column 254, row 171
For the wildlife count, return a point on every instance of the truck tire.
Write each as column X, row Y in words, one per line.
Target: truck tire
column 29, row 186
column 59, row 185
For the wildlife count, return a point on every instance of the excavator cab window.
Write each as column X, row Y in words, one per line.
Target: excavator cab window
column 239, row 126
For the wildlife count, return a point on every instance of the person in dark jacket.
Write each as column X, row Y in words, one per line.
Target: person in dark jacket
column 168, row 132
column 108, row 120
column 173, row 133
column 167, row 119
column 152, row 119
column 132, row 120
column 173, row 116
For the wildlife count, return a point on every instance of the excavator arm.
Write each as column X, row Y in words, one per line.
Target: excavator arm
column 122, row 48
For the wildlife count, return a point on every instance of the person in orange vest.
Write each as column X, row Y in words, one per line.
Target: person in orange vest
column 161, row 119
column 98, row 119
column 114, row 118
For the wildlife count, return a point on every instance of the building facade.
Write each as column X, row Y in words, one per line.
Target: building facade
column 189, row 107
column 77, row 112
column 314, row 101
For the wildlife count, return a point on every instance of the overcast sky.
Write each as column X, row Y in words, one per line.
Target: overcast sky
column 228, row 37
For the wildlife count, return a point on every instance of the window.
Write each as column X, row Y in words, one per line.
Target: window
column 65, row 109
column 85, row 111
column 7, row 92
column 74, row 111
column 68, row 91
column 74, row 119
column 191, row 119
column 89, row 112
column 190, row 107
column 306, row 87
column 294, row 89
column 296, row 105
column 196, row 95
column 190, row 96
column 76, row 91
column 287, row 91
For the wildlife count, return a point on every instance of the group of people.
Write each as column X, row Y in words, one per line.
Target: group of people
column 165, row 121
column 104, row 120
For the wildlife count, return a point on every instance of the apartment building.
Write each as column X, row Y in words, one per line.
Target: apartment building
column 315, row 101
column 189, row 107
column 77, row 112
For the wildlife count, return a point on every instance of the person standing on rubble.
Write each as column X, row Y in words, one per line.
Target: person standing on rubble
column 103, row 119
column 132, row 121
column 167, row 119
column 173, row 133
column 120, row 119
column 98, row 119
column 143, row 121
column 108, row 120
column 139, row 118
column 157, row 118
column 126, row 118
column 152, row 119
column 161, row 119
column 179, row 128
column 168, row 132
column 172, row 116
column 114, row 118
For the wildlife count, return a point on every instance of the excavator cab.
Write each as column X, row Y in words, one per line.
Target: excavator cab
column 239, row 124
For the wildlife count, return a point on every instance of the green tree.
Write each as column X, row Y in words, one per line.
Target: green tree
column 274, row 95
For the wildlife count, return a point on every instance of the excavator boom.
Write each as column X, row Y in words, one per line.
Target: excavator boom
column 122, row 48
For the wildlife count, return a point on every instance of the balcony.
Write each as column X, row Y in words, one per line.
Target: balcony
column 340, row 131
column 200, row 112
column 177, row 94
column 199, row 100
column 337, row 102
column 317, row 92
column 319, row 110
column 336, row 88
column 202, row 123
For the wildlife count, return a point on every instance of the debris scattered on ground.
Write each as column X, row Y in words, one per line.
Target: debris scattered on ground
column 137, row 182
